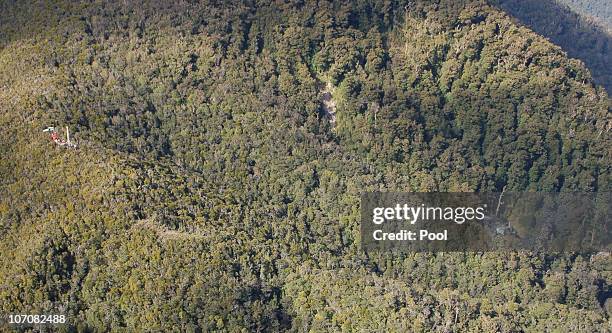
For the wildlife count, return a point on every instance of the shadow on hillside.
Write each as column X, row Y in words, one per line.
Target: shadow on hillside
column 576, row 35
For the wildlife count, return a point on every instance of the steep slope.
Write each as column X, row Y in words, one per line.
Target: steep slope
column 581, row 36
column 210, row 191
column 599, row 10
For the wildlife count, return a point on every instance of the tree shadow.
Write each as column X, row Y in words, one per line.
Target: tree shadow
column 577, row 35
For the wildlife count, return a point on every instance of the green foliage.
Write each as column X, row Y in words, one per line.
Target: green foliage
column 583, row 30
column 211, row 191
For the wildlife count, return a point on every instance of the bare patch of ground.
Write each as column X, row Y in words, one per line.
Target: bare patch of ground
column 328, row 103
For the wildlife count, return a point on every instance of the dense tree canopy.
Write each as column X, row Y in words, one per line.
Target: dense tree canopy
column 598, row 9
column 212, row 191
column 582, row 28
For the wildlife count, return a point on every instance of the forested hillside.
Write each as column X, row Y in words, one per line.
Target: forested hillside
column 223, row 147
column 582, row 35
column 600, row 10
